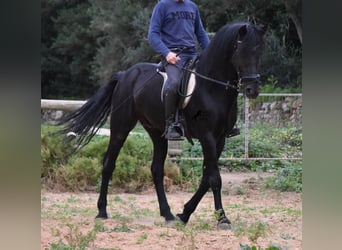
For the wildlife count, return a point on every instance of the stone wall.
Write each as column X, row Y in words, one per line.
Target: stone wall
column 50, row 116
column 278, row 113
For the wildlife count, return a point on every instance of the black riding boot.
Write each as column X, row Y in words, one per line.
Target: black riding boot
column 173, row 128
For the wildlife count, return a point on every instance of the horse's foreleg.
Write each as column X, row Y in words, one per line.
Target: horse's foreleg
column 157, row 169
column 216, row 186
column 211, row 179
column 215, row 183
column 191, row 205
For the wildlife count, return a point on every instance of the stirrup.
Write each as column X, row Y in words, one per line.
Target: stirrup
column 174, row 132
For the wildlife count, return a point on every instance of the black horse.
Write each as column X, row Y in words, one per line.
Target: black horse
column 229, row 65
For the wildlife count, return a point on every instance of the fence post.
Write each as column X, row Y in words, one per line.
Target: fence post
column 246, row 126
column 174, row 148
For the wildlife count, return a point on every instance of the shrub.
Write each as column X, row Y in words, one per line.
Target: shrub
column 80, row 174
column 53, row 152
column 288, row 178
column 82, row 170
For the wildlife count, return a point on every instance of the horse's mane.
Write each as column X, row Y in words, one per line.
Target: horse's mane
column 221, row 47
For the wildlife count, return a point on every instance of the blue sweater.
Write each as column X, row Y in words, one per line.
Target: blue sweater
column 174, row 25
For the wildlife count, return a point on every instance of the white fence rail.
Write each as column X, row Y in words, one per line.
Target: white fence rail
column 69, row 105
column 60, row 104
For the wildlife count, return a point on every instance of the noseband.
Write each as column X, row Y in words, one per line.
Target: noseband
column 248, row 79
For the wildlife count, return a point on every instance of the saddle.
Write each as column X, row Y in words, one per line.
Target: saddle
column 184, row 90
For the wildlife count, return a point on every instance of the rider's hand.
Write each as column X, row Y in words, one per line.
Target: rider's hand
column 172, row 58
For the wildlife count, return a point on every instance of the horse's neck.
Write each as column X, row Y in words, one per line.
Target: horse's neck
column 217, row 72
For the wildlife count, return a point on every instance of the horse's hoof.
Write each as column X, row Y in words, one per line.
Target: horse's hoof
column 179, row 220
column 101, row 216
column 224, row 226
column 170, row 223
column 174, row 223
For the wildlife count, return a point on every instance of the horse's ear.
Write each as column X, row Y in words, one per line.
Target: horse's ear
column 242, row 32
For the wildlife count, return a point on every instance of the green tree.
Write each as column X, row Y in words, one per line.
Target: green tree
column 68, row 47
column 283, row 57
column 123, row 25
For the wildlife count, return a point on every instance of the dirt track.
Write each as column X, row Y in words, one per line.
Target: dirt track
column 260, row 217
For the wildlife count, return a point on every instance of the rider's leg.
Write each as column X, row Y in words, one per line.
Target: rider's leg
column 171, row 100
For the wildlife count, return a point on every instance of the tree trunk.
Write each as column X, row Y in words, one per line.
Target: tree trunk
column 294, row 9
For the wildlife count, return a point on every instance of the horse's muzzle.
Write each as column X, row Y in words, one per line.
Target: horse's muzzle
column 250, row 85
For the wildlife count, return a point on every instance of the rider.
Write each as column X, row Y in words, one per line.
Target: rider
column 174, row 27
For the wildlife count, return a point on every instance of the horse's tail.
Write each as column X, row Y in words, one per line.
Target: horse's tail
column 88, row 119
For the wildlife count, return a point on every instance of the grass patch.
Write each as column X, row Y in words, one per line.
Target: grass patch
column 247, row 247
column 252, row 230
column 287, row 178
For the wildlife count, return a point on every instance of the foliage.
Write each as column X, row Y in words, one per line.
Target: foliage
column 253, row 231
column 282, row 58
column 272, row 86
column 264, row 141
column 124, row 25
column 68, row 47
column 247, row 247
column 79, row 173
column 288, row 75
column 82, row 170
column 133, row 162
column 76, row 239
column 288, row 178
column 84, row 42
column 53, row 152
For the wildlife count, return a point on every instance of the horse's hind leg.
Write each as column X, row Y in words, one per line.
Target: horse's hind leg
column 117, row 139
column 157, row 169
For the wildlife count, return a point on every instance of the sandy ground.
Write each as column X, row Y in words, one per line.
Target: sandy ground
column 260, row 218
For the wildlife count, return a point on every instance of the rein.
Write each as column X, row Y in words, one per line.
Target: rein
column 226, row 84
column 239, row 83
column 250, row 77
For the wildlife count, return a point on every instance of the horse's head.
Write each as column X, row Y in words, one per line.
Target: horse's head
column 247, row 57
